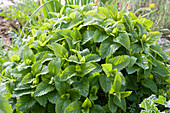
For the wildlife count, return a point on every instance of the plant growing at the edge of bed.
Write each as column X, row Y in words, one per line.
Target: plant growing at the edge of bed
column 101, row 61
column 150, row 104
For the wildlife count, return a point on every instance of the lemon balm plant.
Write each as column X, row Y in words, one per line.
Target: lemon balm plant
column 86, row 60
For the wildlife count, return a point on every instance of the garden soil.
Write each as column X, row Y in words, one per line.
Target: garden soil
column 4, row 29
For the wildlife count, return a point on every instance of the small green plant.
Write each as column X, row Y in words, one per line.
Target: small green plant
column 150, row 104
column 86, row 60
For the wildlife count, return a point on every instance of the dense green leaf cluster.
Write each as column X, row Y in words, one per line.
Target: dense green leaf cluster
column 87, row 60
column 152, row 103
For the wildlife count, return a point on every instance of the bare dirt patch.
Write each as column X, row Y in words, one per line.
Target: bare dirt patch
column 4, row 29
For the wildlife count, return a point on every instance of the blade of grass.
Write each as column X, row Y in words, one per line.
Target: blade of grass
column 85, row 2
column 147, row 14
column 89, row 1
column 44, row 9
column 82, row 2
column 141, row 9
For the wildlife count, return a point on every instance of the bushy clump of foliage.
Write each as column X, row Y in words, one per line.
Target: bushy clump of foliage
column 87, row 60
column 152, row 103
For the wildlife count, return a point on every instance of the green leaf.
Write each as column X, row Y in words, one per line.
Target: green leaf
column 73, row 58
column 61, row 86
column 142, row 61
column 74, row 107
column 108, row 22
column 25, row 102
column 120, row 27
column 148, row 104
column 149, row 83
column 70, row 45
column 92, row 58
column 44, row 56
column 134, row 36
column 28, row 55
column 44, row 70
column 104, row 11
column 93, row 93
column 132, row 69
column 132, row 61
column 119, row 62
column 121, row 103
column 59, row 50
column 160, row 100
column 75, row 23
column 158, row 50
column 65, row 33
column 68, row 72
column 99, row 36
column 61, row 105
column 128, row 22
column 15, row 58
column 53, row 97
column 85, row 110
column 93, row 21
column 147, row 23
column 87, row 35
column 105, row 82
column 125, row 94
column 116, row 84
column 132, row 15
column 97, row 109
column 46, row 78
column 108, row 47
column 22, row 87
column 22, row 66
column 148, row 71
column 43, row 88
column 42, row 100
column 74, row 94
column 18, row 93
column 110, row 29
column 160, row 69
column 36, row 67
column 27, row 78
column 54, row 66
column 107, row 68
column 9, row 86
column 76, row 36
column 141, row 29
column 65, row 96
column 87, row 104
column 136, row 48
column 123, row 39
column 111, row 105
column 153, row 37
column 82, row 86
column 86, row 68
column 5, row 107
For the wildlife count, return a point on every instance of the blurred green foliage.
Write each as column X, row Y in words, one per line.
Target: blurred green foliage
column 159, row 14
